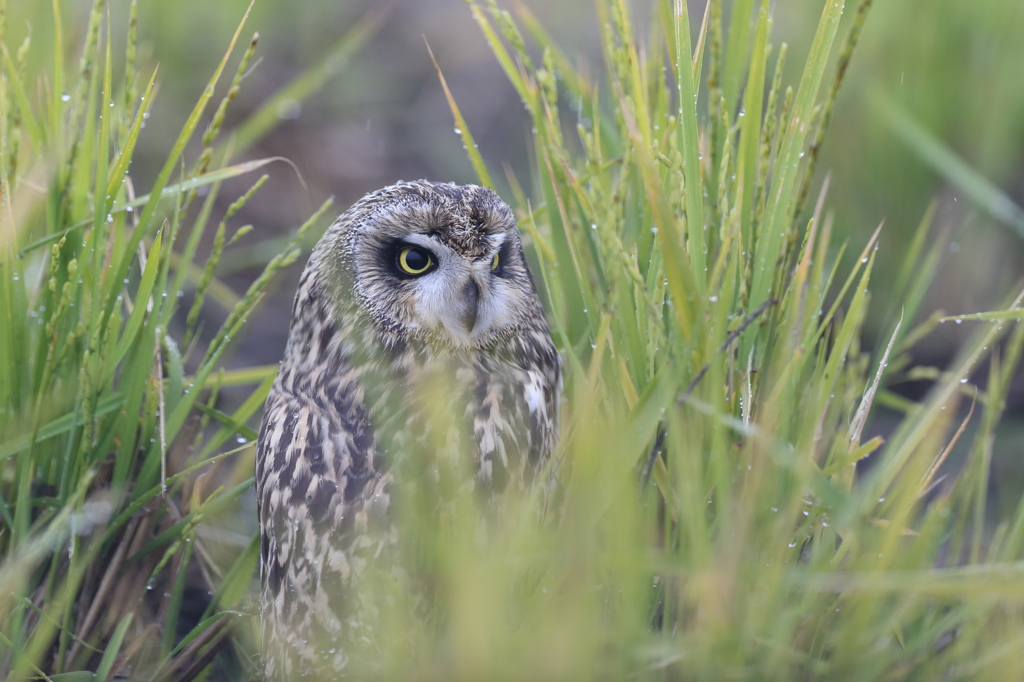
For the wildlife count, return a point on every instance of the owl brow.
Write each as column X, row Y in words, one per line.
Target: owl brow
column 500, row 240
column 496, row 244
column 427, row 241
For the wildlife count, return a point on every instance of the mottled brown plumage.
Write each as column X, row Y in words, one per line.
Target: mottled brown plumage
column 379, row 351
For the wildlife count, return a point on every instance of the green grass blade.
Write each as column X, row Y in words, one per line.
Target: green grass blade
column 686, row 94
column 150, row 207
column 737, row 49
column 28, row 119
column 780, row 205
column 139, row 312
column 110, row 655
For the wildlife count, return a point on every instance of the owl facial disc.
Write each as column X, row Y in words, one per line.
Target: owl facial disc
column 462, row 299
column 437, row 265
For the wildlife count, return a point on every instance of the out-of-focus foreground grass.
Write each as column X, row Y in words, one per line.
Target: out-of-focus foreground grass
column 712, row 521
column 113, row 454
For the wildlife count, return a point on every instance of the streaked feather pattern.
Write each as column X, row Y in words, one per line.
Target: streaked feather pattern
column 373, row 360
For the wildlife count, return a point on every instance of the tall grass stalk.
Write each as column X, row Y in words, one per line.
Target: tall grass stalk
column 112, row 454
column 718, row 518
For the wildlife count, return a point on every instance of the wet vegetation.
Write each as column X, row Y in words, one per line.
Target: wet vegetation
column 726, row 510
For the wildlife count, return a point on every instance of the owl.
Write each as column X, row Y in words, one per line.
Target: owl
column 417, row 339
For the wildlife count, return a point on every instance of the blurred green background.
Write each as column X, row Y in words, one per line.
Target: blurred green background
column 955, row 67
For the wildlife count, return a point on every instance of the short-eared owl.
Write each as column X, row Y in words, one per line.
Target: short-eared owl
column 417, row 295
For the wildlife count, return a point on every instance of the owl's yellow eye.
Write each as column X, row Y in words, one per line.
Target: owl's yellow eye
column 414, row 261
column 494, row 262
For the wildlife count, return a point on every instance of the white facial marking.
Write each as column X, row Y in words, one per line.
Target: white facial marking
column 440, row 302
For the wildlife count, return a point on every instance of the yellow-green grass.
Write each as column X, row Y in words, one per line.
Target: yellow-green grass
column 710, row 522
column 112, row 456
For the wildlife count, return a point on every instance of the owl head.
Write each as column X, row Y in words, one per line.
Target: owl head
column 439, row 263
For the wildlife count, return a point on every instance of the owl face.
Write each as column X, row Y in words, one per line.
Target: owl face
column 441, row 263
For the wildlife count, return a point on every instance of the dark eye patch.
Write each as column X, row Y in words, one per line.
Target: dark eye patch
column 504, row 257
column 410, row 260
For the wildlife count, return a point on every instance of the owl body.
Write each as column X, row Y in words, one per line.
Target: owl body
column 417, row 342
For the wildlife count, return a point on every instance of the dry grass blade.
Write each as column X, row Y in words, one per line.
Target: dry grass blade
column 192, row 660
column 933, row 468
column 461, row 128
column 861, row 416
column 704, row 346
column 106, row 584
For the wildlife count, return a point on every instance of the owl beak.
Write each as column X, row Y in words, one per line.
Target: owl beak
column 470, row 299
